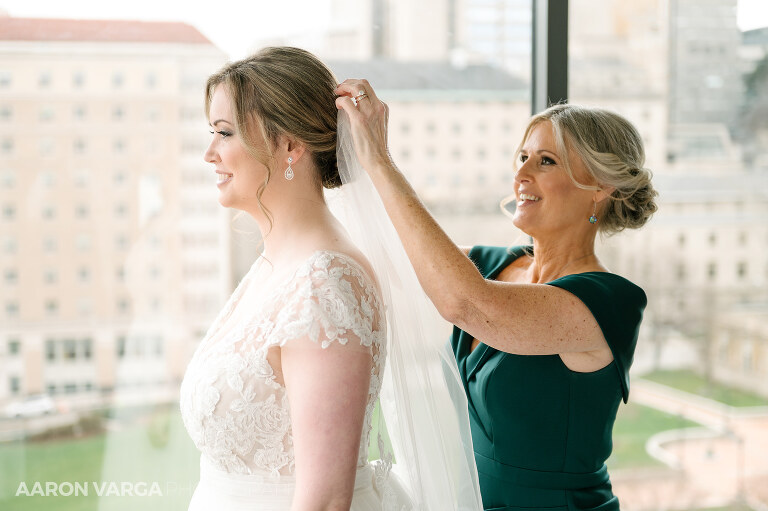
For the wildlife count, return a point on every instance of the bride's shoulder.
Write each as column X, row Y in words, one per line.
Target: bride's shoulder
column 327, row 263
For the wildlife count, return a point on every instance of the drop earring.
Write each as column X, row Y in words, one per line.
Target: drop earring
column 593, row 218
column 289, row 170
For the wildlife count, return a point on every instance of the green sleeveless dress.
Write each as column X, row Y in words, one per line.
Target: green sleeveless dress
column 541, row 432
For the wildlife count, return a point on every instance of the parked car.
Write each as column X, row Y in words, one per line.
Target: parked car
column 33, row 405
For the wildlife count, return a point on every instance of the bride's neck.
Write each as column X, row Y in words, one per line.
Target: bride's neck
column 298, row 227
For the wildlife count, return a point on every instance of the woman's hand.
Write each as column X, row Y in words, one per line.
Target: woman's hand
column 368, row 117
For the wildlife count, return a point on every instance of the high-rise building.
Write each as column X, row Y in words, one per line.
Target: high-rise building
column 704, row 42
column 113, row 251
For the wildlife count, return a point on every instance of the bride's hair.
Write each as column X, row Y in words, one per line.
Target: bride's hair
column 283, row 91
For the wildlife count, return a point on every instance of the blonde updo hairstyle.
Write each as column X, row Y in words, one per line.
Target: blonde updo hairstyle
column 612, row 151
column 282, row 91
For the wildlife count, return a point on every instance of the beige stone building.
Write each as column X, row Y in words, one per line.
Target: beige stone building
column 113, row 250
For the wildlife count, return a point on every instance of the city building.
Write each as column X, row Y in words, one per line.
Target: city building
column 113, row 252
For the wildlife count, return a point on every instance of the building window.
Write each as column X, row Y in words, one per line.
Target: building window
column 712, row 239
column 121, row 242
column 742, row 238
column 11, row 276
column 50, row 350
column 51, row 307
column 14, row 347
column 51, row 389
column 8, row 178
column 712, row 271
column 150, row 80
column 79, row 113
column 121, row 210
column 69, row 351
column 7, row 146
column 117, row 80
column 83, row 242
column 681, row 240
column 49, row 244
column 12, row 309
column 84, row 274
column 78, row 80
column 120, row 274
column 6, row 113
column 49, row 212
column 121, row 347
column 47, row 147
column 123, row 306
column 9, row 245
column 118, row 145
column 5, row 79
column 50, row 276
column 79, row 146
column 680, row 271
column 9, row 212
column 82, row 178
column 46, row 114
column 81, row 211
column 118, row 113
column 47, row 179
column 14, row 383
column 87, row 348
column 741, row 270
column 44, row 80
column 70, row 388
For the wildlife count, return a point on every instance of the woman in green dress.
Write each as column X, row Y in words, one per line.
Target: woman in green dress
column 545, row 334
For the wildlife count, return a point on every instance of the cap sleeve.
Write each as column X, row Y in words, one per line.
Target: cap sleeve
column 617, row 305
column 331, row 301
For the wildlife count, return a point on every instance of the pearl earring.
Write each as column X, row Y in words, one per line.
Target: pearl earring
column 289, row 170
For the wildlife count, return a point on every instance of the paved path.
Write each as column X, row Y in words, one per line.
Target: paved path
column 716, row 465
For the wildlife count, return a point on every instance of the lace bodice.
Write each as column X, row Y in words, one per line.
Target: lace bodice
column 233, row 402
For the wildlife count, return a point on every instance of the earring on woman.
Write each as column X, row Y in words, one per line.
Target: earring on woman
column 289, row 170
column 593, row 218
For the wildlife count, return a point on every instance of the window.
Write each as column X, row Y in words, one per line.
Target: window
column 14, row 347
column 69, row 349
column 78, row 80
column 44, row 80
column 51, row 307
column 741, row 270
column 11, row 309
column 49, row 213
column 49, row 244
column 117, row 80
column 6, row 113
column 50, row 350
column 121, row 345
column 14, row 385
column 7, row 146
column 50, row 276
column 118, row 114
column 11, row 276
column 87, row 348
column 712, row 271
column 84, row 274
column 81, row 211
column 79, row 146
column 79, row 113
column 5, row 79
column 9, row 212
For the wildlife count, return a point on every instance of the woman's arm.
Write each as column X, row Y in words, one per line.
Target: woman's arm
column 517, row 318
column 328, row 391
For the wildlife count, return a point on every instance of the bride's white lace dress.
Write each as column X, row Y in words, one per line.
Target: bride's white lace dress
column 235, row 407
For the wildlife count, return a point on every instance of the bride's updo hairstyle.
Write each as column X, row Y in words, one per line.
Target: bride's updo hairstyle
column 283, row 91
column 613, row 154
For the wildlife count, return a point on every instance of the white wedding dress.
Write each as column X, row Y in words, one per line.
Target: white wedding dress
column 236, row 410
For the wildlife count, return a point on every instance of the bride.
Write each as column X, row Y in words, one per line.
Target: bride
column 280, row 394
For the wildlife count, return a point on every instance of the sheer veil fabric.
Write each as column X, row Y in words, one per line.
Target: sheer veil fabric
column 422, row 397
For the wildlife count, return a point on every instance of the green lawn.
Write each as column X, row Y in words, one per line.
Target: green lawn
column 635, row 424
column 151, row 446
column 691, row 382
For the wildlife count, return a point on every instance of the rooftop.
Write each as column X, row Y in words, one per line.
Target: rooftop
column 108, row 31
column 385, row 74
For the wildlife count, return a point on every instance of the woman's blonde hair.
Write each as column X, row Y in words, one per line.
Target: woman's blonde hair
column 282, row 91
column 613, row 154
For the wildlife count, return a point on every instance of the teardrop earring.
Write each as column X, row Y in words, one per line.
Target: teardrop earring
column 593, row 218
column 289, row 170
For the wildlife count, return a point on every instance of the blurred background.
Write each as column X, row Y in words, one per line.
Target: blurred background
column 115, row 255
